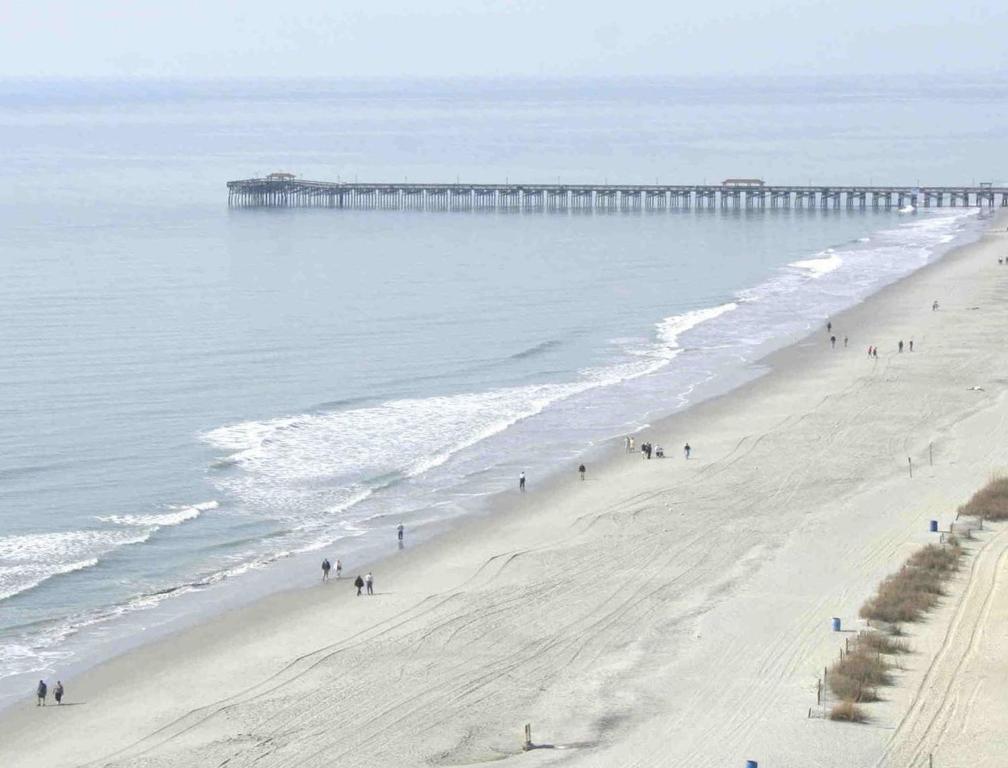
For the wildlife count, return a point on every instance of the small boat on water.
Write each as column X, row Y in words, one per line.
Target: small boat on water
column 907, row 209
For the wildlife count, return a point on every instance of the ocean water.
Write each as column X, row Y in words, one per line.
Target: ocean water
column 190, row 395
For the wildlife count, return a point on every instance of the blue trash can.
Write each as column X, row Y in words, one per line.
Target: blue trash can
column 751, row 764
column 933, row 526
column 836, row 624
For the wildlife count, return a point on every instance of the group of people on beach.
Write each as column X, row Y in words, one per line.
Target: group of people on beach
column 365, row 582
column 833, row 338
column 872, row 349
column 360, row 582
column 327, row 567
column 43, row 691
column 647, row 450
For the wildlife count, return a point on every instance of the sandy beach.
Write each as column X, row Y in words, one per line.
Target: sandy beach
column 663, row 612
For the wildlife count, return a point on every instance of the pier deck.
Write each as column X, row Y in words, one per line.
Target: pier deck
column 282, row 190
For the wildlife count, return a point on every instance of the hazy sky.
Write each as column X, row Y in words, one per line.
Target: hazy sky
column 214, row 38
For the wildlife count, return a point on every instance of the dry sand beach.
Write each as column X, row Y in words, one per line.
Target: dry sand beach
column 659, row 613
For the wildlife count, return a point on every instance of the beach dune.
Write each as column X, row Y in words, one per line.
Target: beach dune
column 659, row 613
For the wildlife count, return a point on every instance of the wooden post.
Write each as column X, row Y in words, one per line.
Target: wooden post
column 931, row 454
column 528, row 737
column 910, row 465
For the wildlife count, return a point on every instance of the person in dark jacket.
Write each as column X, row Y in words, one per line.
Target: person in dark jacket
column 58, row 692
column 41, row 692
column 359, row 583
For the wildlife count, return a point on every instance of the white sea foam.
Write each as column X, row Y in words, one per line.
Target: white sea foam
column 342, row 456
column 671, row 328
column 819, row 266
column 27, row 560
column 20, row 578
column 311, row 468
column 179, row 515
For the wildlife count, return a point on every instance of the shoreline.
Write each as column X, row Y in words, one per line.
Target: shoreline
column 498, row 538
column 133, row 627
column 287, row 573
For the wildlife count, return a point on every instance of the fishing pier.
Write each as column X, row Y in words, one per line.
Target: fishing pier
column 284, row 190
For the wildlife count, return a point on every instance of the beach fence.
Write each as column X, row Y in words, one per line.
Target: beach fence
column 963, row 527
column 826, row 700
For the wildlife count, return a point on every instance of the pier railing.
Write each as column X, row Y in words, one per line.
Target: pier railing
column 290, row 192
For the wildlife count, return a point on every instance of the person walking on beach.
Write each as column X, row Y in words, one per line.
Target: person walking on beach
column 359, row 583
column 325, row 568
column 832, row 341
column 875, row 352
column 686, row 450
column 41, row 692
column 369, row 583
column 901, row 345
column 845, row 342
column 911, row 345
column 58, row 692
column 399, row 533
column 581, row 469
column 521, row 482
column 631, row 445
column 934, row 307
column 829, row 326
column 627, row 442
column 339, row 568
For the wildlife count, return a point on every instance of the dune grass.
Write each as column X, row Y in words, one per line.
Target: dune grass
column 903, row 596
column 858, row 674
column 990, row 502
column 913, row 590
column 847, row 711
column 882, row 643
